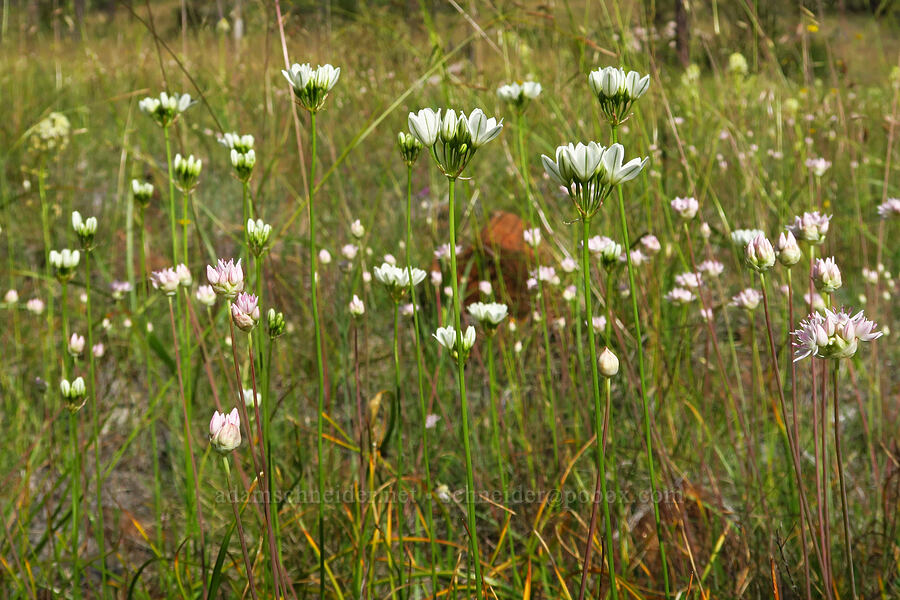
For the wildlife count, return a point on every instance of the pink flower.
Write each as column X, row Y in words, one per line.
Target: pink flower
column 225, row 431
column 166, row 281
column 245, row 311
column 227, row 279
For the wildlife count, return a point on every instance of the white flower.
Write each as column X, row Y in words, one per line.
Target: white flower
column 251, row 399
column 742, row 237
column 76, row 345
column 84, row 228
column 447, row 337
column 356, row 307
column 258, row 234
column 397, row 279
column 184, row 275
column 890, row 208
column 737, row 64
column 324, row 256
column 689, row 280
column 650, row 243
column 142, row 192
column 311, row 86
column 486, row 288
column 424, row 126
column 680, row 296
column 516, row 93
column 481, row 128
column 357, row 229
column 818, row 166
column 532, row 237
column 711, row 268
column 489, row 314
column 236, row 141
column 11, row 297
column 685, row 207
column 748, row 299
column 35, row 306
column 568, row 264
column 206, row 295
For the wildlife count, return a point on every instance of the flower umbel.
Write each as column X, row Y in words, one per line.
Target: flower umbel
column 245, row 311
column 617, row 91
column 165, row 109
column 834, row 335
column 225, row 431
column 65, row 262
column 453, row 139
column 311, row 86
column 227, row 279
column 589, row 172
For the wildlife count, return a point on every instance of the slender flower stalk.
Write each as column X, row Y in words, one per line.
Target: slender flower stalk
column 599, row 418
column 194, row 508
column 232, row 495
column 310, row 89
column 452, row 141
column 99, row 530
column 410, row 158
column 464, row 405
column 848, row 538
column 643, row 382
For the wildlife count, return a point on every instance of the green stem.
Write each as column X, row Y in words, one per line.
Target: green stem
column 420, row 376
column 246, row 215
column 548, row 371
column 495, row 440
column 464, row 405
column 598, row 421
column 185, row 220
column 644, row 402
column 192, row 493
column 98, row 524
column 171, row 196
column 320, row 365
column 398, row 423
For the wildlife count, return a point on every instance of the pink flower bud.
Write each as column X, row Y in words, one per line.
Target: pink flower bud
column 225, row 431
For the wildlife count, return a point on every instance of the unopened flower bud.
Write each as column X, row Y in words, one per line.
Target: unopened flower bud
column 275, row 323
column 357, row 308
column 759, row 254
column 225, row 431
column 609, row 363
column 826, row 276
column 789, row 253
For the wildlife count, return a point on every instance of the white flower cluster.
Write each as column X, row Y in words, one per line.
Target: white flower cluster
column 165, row 109
column 518, row 94
column 617, row 91
column 589, row 172
column 453, row 138
column 311, row 86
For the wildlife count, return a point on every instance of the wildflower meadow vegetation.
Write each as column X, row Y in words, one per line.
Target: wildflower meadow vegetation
column 449, row 299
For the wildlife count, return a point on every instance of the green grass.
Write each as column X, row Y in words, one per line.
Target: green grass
column 730, row 510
